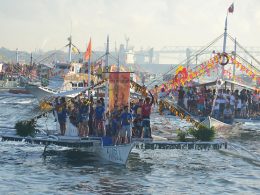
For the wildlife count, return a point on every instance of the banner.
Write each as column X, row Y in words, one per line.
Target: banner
column 119, row 89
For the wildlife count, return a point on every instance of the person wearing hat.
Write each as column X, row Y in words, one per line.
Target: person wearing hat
column 156, row 95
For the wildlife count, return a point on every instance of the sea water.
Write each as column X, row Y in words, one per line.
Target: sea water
column 24, row 170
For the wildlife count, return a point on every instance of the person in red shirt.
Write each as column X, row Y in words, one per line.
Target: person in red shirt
column 201, row 103
column 146, row 112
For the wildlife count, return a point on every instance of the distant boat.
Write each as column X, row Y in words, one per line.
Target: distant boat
column 68, row 80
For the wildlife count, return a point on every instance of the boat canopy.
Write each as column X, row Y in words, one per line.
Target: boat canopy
column 226, row 82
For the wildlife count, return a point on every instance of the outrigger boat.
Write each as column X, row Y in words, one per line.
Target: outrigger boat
column 96, row 145
column 101, row 146
column 209, row 121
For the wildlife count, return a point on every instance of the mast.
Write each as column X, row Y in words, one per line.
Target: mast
column 224, row 44
column 70, row 46
column 107, row 74
column 31, row 59
column 17, row 56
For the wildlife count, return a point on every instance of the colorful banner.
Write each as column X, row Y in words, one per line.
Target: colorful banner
column 251, row 73
column 119, row 89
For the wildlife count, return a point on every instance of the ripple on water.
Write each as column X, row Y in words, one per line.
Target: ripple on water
column 24, row 170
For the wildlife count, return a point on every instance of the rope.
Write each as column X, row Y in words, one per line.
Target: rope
column 241, row 47
column 248, row 63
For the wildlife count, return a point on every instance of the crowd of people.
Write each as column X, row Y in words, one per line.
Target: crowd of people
column 88, row 117
column 224, row 104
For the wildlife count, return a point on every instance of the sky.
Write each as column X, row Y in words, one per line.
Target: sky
column 46, row 24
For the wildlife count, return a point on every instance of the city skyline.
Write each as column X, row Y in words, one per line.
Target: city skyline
column 46, row 24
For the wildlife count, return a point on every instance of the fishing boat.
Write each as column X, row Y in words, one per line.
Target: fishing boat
column 67, row 78
column 61, row 77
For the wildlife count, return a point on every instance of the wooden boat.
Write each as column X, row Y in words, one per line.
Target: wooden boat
column 218, row 125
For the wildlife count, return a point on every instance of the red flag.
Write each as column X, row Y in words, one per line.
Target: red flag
column 88, row 52
column 231, row 8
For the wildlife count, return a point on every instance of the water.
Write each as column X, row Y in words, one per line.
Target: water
column 24, row 170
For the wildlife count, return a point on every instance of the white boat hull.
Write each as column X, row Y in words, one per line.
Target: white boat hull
column 218, row 125
column 116, row 154
column 40, row 92
column 43, row 92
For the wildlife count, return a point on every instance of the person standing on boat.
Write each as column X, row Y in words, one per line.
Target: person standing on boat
column 126, row 120
column 54, row 112
column 216, row 108
column 227, row 114
column 255, row 100
column 238, row 106
column 181, row 97
column 146, row 112
column 156, row 95
column 222, row 103
column 249, row 103
column 138, row 118
column 91, row 117
column 62, row 115
column 201, row 104
column 83, row 118
column 99, row 118
column 232, row 102
column 162, row 94
column 138, row 108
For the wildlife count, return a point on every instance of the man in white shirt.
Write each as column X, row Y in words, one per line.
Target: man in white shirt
column 216, row 108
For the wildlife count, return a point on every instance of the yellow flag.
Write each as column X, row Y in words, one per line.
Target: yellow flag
column 75, row 50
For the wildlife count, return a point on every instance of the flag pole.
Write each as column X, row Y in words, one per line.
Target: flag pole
column 224, row 43
column 89, row 74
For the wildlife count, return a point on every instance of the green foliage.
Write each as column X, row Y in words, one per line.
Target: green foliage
column 203, row 133
column 181, row 135
column 25, row 128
